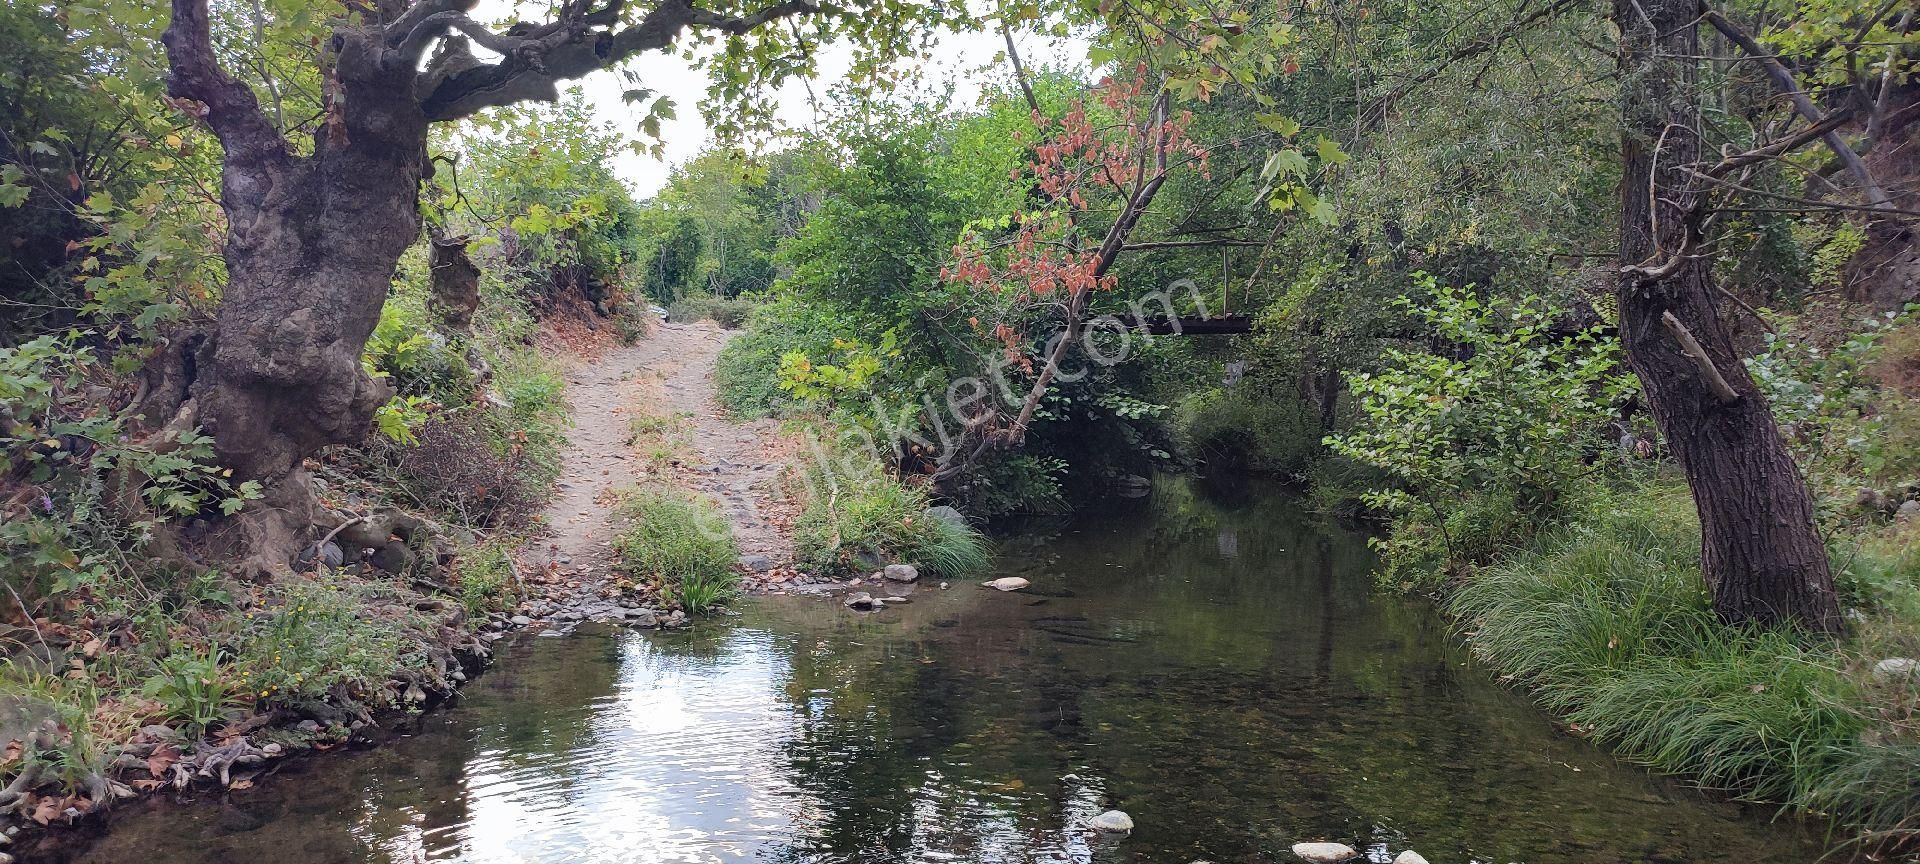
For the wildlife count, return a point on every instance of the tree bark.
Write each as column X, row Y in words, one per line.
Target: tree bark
column 311, row 247
column 1761, row 553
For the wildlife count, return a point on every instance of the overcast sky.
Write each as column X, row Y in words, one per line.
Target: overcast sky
column 964, row 59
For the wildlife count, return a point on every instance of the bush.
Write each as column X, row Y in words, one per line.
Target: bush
column 728, row 312
column 1608, row 623
column 1500, row 427
column 679, row 544
column 854, row 514
column 747, row 372
column 1244, row 429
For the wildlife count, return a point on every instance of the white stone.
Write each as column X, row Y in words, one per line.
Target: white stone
column 1409, row 857
column 1894, row 668
column 1325, row 853
column 1007, row 583
column 1113, row 822
column 901, row 573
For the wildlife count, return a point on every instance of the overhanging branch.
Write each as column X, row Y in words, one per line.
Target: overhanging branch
column 582, row 41
column 1783, row 79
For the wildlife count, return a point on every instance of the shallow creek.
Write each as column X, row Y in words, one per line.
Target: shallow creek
column 1213, row 661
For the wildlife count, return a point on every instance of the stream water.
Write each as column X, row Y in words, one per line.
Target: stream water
column 1213, row 661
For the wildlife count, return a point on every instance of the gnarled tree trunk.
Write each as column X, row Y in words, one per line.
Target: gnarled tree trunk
column 1760, row 551
column 311, row 249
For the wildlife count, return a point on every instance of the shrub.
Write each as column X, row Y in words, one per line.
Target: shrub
column 679, row 544
column 728, row 312
column 747, row 372
column 1501, row 426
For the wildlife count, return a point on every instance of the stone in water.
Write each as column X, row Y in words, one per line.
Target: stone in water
column 1007, row 583
column 1113, row 822
column 1410, row 857
column 1325, row 853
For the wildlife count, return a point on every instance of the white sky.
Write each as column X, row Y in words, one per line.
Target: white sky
column 958, row 58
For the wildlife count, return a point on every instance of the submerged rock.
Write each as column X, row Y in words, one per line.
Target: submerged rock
column 1007, row 583
column 859, row 600
column 1325, row 853
column 901, row 573
column 1113, row 822
column 1409, row 857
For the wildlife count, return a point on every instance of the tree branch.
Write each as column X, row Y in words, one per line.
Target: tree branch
column 571, row 47
column 232, row 111
column 1783, row 79
column 1188, row 244
column 1708, row 372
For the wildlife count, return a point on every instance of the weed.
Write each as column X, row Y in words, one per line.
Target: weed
column 1608, row 623
column 193, row 690
column 487, row 578
column 859, row 514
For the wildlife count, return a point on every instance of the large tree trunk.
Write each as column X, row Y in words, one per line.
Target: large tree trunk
column 311, row 248
column 310, row 254
column 1760, row 551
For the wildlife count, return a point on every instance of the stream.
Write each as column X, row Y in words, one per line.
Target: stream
column 1212, row 660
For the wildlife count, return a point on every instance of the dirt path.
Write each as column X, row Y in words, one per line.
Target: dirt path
column 667, row 376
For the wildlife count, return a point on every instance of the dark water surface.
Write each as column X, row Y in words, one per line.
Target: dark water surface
column 1213, row 663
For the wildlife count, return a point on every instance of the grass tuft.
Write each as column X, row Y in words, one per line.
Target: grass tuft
column 680, row 545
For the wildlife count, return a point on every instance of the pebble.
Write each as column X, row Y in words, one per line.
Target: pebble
column 1325, row 853
column 1113, row 822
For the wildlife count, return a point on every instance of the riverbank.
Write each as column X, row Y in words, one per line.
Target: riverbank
column 1213, row 661
column 1604, row 621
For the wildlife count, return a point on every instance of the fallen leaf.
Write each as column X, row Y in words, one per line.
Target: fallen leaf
column 162, row 759
column 47, row 809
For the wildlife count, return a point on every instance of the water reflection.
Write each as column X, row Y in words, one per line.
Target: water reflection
column 1214, row 664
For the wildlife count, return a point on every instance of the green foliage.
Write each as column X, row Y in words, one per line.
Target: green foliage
column 1263, row 431
column 487, row 578
column 1508, row 417
column 1845, row 408
column 193, row 691
column 854, row 514
column 315, row 639
column 679, row 544
column 728, row 312
column 748, row 370
column 89, row 489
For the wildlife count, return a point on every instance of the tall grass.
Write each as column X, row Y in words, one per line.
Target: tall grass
column 679, row 544
column 1607, row 622
column 854, row 513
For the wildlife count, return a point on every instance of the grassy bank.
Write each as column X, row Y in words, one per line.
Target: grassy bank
column 856, row 516
column 1605, row 620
